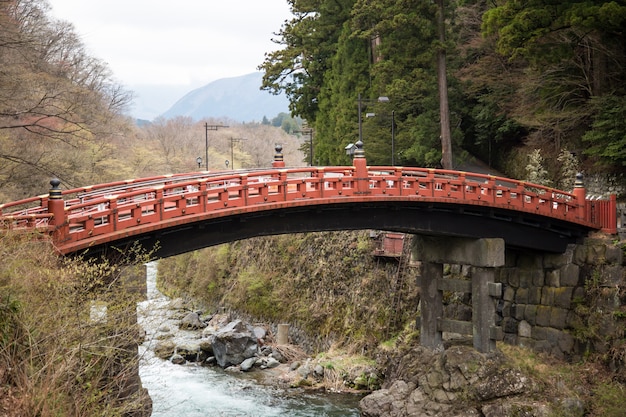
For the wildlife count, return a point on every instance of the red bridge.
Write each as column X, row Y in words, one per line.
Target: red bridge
column 185, row 212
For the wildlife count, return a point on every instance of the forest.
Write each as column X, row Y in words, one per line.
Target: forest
column 528, row 77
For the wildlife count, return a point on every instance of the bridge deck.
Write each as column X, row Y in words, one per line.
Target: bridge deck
column 96, row 215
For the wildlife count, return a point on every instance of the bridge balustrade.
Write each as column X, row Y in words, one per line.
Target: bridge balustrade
column 107, row 208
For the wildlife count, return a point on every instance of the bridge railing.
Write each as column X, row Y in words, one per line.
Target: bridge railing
column 93, row 211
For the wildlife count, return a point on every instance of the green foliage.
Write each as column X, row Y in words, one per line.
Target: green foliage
column 530, row 28
column 388, row 49
column 609, row 400
column 607, row 136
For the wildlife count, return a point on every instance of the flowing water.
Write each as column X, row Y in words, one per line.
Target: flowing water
column 192, row 390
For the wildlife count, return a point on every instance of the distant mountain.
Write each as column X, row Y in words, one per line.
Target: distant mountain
column 237, row 98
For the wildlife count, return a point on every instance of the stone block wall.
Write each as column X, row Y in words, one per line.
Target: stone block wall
column 548, row 298
column 603, row 185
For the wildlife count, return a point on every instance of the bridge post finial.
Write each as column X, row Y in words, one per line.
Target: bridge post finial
column 56, row 207
column 278, row 157
column 580, row 194
column 360, row 165
column 359, row 152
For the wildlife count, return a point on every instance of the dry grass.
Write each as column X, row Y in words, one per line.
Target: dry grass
column 291, row 353
column 53, row 360
column 589, row 381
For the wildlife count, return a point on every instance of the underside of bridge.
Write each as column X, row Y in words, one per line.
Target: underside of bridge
column 518, row 229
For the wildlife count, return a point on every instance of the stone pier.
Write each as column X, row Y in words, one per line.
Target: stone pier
column 483, row 254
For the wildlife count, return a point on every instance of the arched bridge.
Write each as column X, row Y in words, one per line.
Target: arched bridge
column 184, row 212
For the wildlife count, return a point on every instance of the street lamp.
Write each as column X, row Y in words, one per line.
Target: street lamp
column 350, row 148
column 381, row 99
column 208, row 127
column 361, row 101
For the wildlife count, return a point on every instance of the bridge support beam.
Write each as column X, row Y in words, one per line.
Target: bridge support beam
column 485, row 255
column 431, row 306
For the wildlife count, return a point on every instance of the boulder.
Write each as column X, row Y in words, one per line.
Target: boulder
column 269, row 363
column 248, row 364
column 164, row 349
column 191, row 352
column 233, row 344
column 426, row 383
column 206, row 346
column 192, row 322
column 259, row 332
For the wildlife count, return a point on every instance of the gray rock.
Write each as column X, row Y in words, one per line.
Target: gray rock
column 206, row 346
column 278, row 356
column 178, row 359
column 192, row 322
column 259, row 332
column 248, row 364
column 387, row 402
column 191, row 352
column 504, row 383
column 294, row 365
column 304, row 371
column 270, row 363
column 319, row 371
column 233, row 344
column 164, row 349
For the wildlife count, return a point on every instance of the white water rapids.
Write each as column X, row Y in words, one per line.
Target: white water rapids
column 192, row 390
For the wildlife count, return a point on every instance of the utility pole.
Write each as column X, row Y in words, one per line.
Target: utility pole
column 232, row 151
column 208, row 127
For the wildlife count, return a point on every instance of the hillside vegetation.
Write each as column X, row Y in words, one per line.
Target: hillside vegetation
column 536, row 79
column 326, row 283
column 56, row 357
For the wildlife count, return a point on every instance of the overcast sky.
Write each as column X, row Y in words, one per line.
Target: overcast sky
column 179, row 45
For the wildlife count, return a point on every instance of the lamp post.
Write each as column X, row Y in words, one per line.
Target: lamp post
column 393, row 137
column 208, row 127
column 361, row 101
column 382, row 99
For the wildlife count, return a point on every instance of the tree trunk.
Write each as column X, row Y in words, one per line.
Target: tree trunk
column 444, row 113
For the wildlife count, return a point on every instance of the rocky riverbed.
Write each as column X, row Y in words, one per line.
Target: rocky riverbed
column 220, row 340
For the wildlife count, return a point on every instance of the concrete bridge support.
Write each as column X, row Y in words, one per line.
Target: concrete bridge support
column 485, row 255
column 116, row 312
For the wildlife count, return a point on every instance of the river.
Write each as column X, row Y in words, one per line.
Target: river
column 192, row 390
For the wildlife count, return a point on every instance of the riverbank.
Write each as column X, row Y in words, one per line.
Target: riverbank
column 185, row 380
column 186, row 336
column 338, row 297
column 418, row 382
